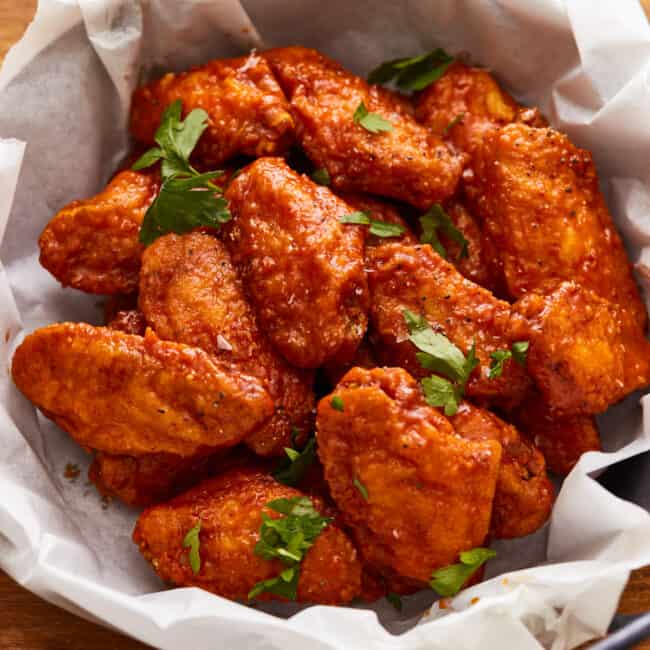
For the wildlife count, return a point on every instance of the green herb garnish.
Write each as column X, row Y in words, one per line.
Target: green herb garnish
column 395, row 600
column 291, row 469
column 377, row 228
column 337, row 403
column 193, row 542
column 449, row 580
column 321, row 176
column 436, row 219
column 453, row 123
column 187, row 199
column 438, row 354
column 287, row 539
column 518, row 352
column 413, row 73
column 372, row 122
column 361, row 487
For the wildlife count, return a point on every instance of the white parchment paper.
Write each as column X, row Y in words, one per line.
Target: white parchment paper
column 64, row 93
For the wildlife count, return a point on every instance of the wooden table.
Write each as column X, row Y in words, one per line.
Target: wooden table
column 29, row 623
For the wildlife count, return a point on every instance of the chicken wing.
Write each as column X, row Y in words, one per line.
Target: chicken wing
column 126, row 394
column 229, row 509
column 247, row 112
column 466, row 103
column 408, row 162
column 584, row 354
column 190, row 293
column 562, row 440
column 93, row 244
column 524, row 494
column 413, row 492
column 417, row 279
column 145, row 480
column 539, row 201
column 303, row 270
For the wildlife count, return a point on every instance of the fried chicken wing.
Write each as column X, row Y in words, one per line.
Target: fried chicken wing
column 408, row 163
column 93, row 244
column 303, row 270
column 229, row 509
column 145, row 480
column 539, row 201
column 413, row 492
column 584, row 354
column 524, row 495
column 247, row 112
column 562, row 440
column 466, row 103
column 126, row 394
column 191, row 293
column 416, row 278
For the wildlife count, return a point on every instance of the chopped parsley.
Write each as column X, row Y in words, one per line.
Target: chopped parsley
column 291, row 469
column 435, row 220
column 287, row 539
column 518, row 352
column 377, row 228
column 363, row 491
column 372, row 122
column 187, row 199
column 449, row 580
column 395, row 600
column 337, row 403
column 413, row 73
column 321, row 176
column 438, row 354
column 193, row 542
column 452, row 123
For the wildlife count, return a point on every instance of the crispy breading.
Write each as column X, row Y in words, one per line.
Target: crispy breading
column 416, row 278
column 562, row 440
column 409, row 163
column 229, row 509
column 93, row 244
column 191, row 293
column 584, row 353
column 126, row 394
column 145, row 480
column 524, row 494
column 303, row 270
column 539, row 201
column 247, row 111
column 466, row 103
column 414, row 493
column 130, row 321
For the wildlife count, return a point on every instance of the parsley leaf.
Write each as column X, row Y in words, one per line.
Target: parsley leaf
column 452, row 123
column 438, row 354
column 449, row 580
column 361, row 487
column 182, row 205
column 293, row 468
column 193, row 542
column 377, row 228
column 518, row 352
column 321, row 176
column 372, row 122
column 437, row 219
column 395, row 600
column 187, row 199
column 287, row 539
column 413, row 73
column 337, row 403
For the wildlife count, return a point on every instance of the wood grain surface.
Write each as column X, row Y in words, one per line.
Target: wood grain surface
column 29, row 623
